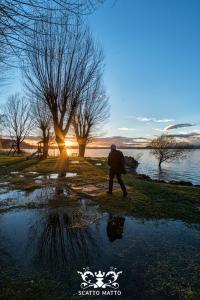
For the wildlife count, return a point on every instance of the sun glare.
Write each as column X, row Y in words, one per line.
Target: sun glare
column 68, row 143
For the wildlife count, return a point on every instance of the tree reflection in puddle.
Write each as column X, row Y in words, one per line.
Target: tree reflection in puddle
column 64, row 239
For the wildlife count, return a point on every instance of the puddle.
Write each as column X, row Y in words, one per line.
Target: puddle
column 158, row 258
column 4, row 183
column 17, row 198
column 56, row 176
column 70, row 174
column 53, row 176
column 38, row 181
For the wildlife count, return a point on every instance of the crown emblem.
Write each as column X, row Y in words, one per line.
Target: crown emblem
column 99, row 274
column 99, row 279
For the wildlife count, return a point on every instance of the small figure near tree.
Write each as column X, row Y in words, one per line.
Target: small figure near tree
column 165, row 148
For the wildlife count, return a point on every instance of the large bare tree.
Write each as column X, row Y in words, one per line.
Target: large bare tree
column 92, row 111
column 165, row 148
column 43, row 120
column 61, row 64
column 18, row 119
column 17, row 17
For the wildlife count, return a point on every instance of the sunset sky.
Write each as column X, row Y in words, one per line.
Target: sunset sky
column 152, row 73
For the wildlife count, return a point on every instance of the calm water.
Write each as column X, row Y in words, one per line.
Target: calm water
column 159, row 258
column 187, row 170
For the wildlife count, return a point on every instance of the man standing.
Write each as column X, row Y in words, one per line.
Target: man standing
column 116, row 163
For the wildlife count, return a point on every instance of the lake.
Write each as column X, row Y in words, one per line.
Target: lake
column 187, row 169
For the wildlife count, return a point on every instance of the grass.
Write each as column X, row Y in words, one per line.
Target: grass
column 145, row 200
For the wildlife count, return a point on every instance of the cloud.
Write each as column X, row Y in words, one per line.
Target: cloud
column 158, row 129
column 175, row 126
column 126, row 129
column 141, row 138
column 189, row 134
column 155, row 120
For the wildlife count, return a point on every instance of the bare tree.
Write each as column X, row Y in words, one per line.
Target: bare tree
column 43, row 120
column 92, row 111
column 17, row 17
column 17, row 119
column 166, row 149
column 60, row 68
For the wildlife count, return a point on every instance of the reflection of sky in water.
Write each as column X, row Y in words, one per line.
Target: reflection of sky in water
column 39, row 240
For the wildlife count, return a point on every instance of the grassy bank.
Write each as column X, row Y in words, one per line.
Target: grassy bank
column 145, row 200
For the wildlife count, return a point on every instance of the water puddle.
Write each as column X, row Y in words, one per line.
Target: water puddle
column 37, row 198
column 159, row 258
column 4, row 183
column 71, row 174
column 56, row 176
column 151, row 254
column 16, row 198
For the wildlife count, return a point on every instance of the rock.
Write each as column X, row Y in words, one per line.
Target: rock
column 181, row 182
column 144, row 177
column 131, row 164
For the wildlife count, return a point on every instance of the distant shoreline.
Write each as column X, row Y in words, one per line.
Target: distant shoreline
column 100, row 148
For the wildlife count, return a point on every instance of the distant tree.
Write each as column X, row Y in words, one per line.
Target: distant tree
column 43, row 120
column 92, row 111
column 61, row 66
column 166, row 149
column 18, row 119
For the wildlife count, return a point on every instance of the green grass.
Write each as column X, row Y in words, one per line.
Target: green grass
column 146, row 199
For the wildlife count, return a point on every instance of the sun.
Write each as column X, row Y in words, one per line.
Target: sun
column 68, row 143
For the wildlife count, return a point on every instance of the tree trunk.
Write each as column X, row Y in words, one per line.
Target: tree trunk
column 82, row 150
column 82, row 145
column 63, row 163
column 45, row 143
column 18, row 147
column 160, row 162
column 45, row 149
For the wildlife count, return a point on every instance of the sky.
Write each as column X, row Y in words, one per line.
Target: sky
column 152, row 74
column 152, row 66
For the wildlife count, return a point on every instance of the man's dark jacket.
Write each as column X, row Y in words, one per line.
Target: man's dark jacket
column 116, row 161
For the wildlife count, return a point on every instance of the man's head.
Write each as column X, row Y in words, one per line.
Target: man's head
column 113, row 147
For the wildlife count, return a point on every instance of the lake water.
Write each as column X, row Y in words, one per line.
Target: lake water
column 187, row 169
column 159, row 258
